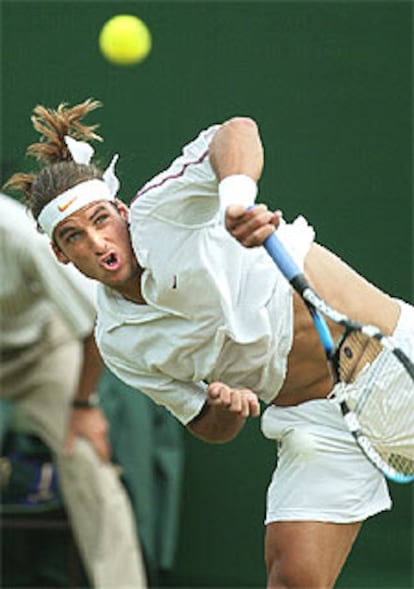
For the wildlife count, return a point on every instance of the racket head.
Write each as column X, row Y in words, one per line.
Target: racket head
column 375, row 378
column 376, row 394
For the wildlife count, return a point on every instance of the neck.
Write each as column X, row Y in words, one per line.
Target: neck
column 131, row 290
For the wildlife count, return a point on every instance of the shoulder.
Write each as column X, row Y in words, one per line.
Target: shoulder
column 193, row 160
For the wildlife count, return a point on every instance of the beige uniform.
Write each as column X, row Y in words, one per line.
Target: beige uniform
column 46, row 309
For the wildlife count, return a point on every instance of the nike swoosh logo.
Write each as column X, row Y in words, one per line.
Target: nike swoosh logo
column 66, row 204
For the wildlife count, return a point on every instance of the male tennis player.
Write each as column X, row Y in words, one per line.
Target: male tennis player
column 207, row 327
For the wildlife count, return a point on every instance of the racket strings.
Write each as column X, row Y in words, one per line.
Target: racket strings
column 382, row 400
column 357, row 351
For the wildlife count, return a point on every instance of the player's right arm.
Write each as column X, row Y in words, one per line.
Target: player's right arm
column 236, row 148
column 224, row 413
column 237, row 158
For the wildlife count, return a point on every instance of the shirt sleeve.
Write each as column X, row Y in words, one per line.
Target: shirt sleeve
column 184, row 194
column 184, row 400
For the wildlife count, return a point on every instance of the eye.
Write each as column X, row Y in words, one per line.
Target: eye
column 101, row 218
column 73, row 237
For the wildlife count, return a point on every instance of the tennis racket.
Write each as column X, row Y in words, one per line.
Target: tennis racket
column 377, row 393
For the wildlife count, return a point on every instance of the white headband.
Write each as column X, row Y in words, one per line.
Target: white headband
column 82, row 194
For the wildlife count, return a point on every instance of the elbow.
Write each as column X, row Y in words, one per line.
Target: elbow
column 211, row 437
column 241, row 124
column 236, row 148
column 208, row 427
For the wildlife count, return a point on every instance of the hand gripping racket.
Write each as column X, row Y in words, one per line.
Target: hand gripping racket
column 377, row 393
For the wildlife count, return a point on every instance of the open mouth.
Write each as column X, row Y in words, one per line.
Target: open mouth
column 110, row 262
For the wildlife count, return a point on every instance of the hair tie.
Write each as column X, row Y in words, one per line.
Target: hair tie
column 89, row 191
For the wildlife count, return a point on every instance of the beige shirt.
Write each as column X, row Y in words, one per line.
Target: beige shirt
column 33, row 284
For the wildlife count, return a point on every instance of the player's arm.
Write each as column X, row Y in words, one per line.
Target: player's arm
column 237, row 158
column 236, row 148
column 224, row 413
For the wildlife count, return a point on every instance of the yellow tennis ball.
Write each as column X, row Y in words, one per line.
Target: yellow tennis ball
column 125, row 40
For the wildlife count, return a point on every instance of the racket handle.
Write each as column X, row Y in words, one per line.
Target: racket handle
column 281, row 257
column 295, row 276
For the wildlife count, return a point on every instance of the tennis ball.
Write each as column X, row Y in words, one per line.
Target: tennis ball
column 300, row 444
column 125, row 40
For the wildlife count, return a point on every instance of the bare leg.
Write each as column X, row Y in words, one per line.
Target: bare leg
column 307, row 555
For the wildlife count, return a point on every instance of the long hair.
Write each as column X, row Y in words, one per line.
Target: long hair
column 58, row 172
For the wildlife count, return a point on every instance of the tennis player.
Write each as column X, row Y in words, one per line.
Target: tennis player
column 207, row 327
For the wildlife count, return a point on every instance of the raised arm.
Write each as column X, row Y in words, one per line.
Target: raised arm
column 237, row 157
column 236, row 148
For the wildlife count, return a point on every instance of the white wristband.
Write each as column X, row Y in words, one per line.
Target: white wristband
column 237, row 189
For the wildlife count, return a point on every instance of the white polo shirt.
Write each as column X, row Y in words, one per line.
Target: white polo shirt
column 215, row 310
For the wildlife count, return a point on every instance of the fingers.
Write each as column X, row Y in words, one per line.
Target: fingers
column 69, row 444
column 102, row 448
column 251, row 226
column 91, row 425
column 98, row 440
column 239, row 401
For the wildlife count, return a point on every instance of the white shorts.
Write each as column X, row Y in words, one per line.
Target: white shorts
column 321, row 474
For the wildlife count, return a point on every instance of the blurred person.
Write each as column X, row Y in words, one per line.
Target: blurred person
column 152, row 470
column 50, row 369
column 206, row 327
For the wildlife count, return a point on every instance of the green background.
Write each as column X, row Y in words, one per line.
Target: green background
column 330, row 85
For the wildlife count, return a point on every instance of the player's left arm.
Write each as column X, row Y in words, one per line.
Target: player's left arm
column 224, row 413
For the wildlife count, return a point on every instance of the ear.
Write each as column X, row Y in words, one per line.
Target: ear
column 60, row 256
column 122, row 209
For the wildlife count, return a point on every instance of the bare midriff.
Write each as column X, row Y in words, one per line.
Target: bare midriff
column 308, row 376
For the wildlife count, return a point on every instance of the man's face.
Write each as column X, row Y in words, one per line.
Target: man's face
column 96, row 240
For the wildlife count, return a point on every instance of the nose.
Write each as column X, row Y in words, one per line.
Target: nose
column 97, row 242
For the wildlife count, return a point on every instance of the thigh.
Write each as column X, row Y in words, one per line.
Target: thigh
column 305, row 554
column 321, row 473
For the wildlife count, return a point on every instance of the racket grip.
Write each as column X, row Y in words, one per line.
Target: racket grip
column 281, row 257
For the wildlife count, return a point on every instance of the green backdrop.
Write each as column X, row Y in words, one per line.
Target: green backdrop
column 330, row 84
